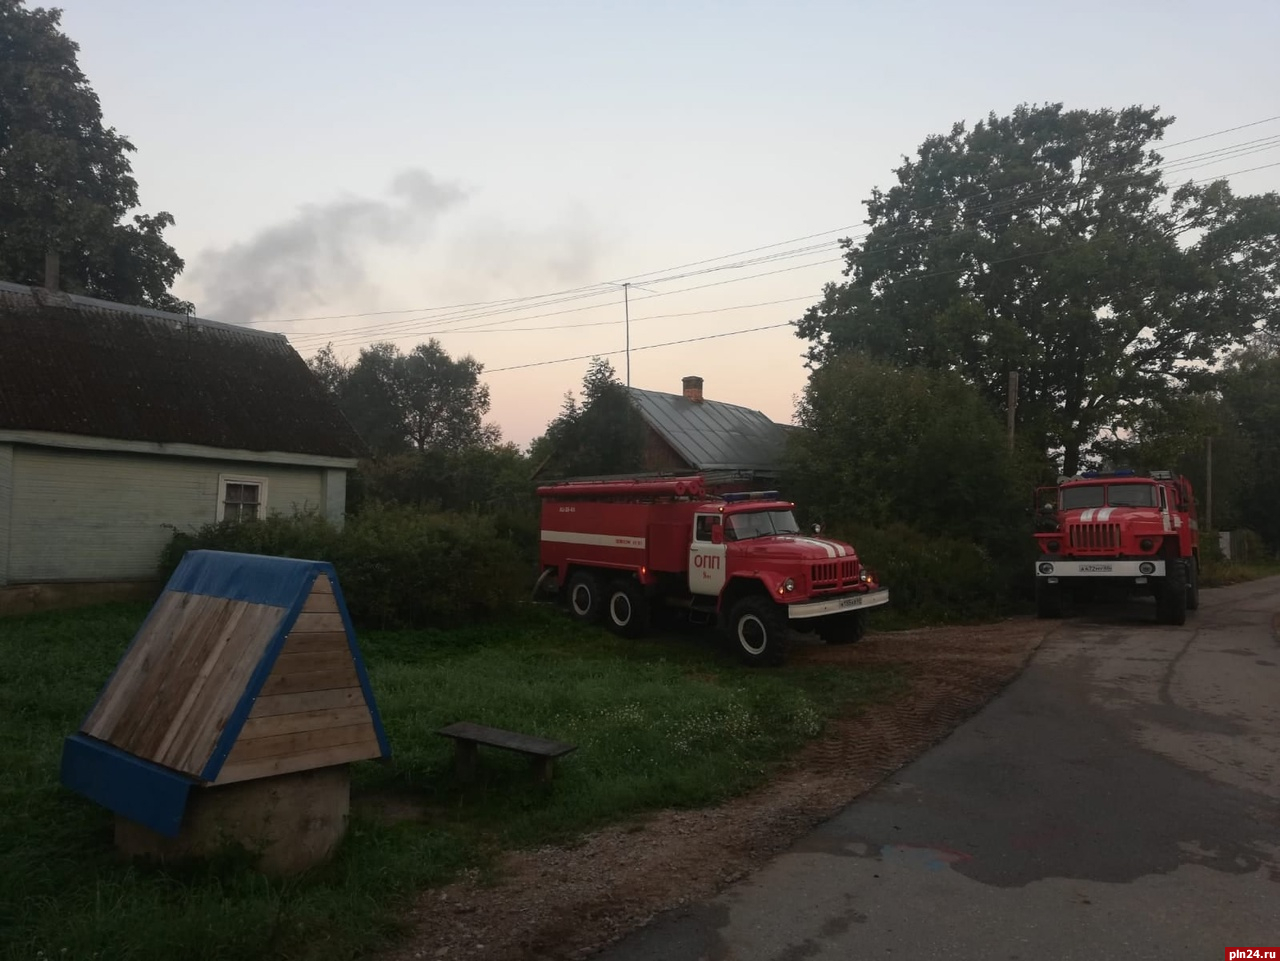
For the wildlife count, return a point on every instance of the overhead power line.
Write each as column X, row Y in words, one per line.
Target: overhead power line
column 670, row 343
column 443, row 325
column 446, row 324
column 609, row 287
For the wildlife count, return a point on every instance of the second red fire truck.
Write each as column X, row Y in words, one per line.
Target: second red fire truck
column 1120, row 533
column 615, row 549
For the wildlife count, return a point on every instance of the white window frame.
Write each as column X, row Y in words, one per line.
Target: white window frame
column 225, row 479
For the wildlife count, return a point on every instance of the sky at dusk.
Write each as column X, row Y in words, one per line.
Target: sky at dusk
column 489, row 173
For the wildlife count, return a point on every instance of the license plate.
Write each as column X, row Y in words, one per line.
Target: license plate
column 849, row 602
column 1095, row 568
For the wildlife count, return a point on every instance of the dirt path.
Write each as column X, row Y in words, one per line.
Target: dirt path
column 558, row 903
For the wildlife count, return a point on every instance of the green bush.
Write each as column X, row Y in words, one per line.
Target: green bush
column 398, row 566
column 930, row 578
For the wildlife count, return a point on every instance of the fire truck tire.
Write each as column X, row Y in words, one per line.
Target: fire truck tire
column 1048, row 600
column 846, row 628
column 586, row 601
column 758, row 629
column 1171, row 605
column 627, row 610
column 1193, row 584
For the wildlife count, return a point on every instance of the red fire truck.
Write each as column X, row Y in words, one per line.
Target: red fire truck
column 614, row 549
column 1119, row 532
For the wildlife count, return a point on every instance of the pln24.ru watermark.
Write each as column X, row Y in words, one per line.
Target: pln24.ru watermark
column 1253, row 954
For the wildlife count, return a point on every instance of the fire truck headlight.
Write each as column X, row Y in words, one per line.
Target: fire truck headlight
column 1046, row 568
column 1146, row 543
column 1146, row 567
column 789, row 585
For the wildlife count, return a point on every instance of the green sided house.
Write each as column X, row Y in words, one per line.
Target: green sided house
column 118, row 424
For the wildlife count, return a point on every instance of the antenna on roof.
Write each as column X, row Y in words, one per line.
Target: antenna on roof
column 626, row 319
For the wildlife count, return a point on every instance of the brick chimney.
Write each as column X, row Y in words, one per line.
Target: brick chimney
column 693, row 389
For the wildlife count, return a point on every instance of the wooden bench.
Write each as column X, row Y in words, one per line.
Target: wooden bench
column 467, row 736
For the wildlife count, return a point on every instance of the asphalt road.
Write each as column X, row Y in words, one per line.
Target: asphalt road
column 1121, row 799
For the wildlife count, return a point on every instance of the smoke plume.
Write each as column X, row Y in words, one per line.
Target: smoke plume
column 319, row 252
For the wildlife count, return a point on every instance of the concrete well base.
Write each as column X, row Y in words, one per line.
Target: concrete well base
column 291, row 822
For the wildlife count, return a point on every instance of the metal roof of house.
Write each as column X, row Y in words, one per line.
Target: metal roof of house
column 76, row 365
column 710, row 435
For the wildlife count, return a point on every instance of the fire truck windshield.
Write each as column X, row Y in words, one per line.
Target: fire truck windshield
column 741, row 527
column 1132, row 495
column 1090, row 495
column 1112, row 495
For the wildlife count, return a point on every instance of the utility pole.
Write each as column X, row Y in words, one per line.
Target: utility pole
column 1208, row 486
column 1013, row 404
column 626, row 313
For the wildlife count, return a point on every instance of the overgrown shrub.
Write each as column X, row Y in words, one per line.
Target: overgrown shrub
column 930, row 578
column 399, row 566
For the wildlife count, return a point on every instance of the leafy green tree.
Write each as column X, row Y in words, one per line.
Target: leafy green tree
column 1251, row 390
column 423, row 400
column 599, row 435
column 880, row 445
column 1046, row 242
column 66, row 184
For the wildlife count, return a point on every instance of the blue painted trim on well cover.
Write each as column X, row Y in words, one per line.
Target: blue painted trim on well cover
column 254, row 578
column 147, row 793
column 354, row 646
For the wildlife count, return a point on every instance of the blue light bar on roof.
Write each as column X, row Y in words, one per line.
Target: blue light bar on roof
column 751, row 496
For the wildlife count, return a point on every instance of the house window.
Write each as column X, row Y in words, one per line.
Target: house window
column 241, row 498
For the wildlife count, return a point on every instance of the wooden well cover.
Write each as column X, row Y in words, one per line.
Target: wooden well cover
column 247, row 667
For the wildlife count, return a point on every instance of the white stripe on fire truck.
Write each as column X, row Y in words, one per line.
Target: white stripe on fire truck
column 1105, row 513
column 595, row 540
column 1088, row 515
column 812, row 542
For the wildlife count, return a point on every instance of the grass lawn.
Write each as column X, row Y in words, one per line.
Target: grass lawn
column 1217, row 573
column 658, row 723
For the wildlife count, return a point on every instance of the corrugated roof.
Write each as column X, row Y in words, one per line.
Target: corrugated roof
column 75, row 365
column 710, row 435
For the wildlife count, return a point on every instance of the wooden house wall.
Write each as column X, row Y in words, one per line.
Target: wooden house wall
column 88, row 515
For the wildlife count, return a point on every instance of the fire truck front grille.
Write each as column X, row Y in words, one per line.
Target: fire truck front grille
column 833, row 575
column 1094, row 537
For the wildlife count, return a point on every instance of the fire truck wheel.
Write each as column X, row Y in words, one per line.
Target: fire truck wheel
column 585, row 601
column 1171, row 605
column 758, row 628
column 1193, row 584
column 627, row 613
column 846, row 628
column 1048, row 600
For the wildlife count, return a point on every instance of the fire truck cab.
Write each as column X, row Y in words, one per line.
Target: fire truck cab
column 615, row 549
column 1122, row 531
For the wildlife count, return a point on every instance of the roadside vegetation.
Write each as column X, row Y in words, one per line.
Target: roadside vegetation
column 661, row 723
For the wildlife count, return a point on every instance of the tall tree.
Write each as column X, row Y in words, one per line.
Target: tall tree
column 601, row 434
column 1251, row 390
column 66, row 184
column 423, row 400
column 1047, row 243
column 881, row 444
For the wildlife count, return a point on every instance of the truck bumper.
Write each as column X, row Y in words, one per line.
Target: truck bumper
column 1101, row 568
column 838, row 605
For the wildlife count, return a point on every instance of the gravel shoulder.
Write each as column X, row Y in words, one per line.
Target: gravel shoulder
column 569, row 902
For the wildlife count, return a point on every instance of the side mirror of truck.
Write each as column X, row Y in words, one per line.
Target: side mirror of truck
column 817, row 528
